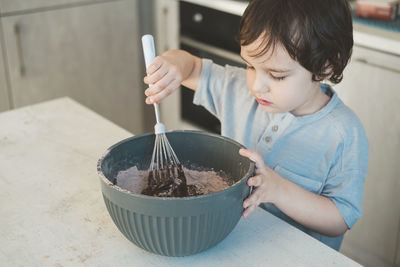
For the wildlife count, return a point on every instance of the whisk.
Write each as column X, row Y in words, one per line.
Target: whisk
column 166, row 177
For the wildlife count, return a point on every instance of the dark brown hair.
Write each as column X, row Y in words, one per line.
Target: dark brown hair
column 316, row 33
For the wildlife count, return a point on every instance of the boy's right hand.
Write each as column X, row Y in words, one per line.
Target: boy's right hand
column 164, row 77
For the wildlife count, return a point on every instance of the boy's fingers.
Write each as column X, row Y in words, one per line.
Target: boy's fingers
column 246, row 203
column 156, row 76
column 159, row 86
column 164, row 93
column 155, row 65
column 154, row 89
column 253, row 199
column 255, row 181
column 253, row 156
column 249, row 210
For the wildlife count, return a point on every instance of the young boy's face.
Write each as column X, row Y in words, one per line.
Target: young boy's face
column 279, row 83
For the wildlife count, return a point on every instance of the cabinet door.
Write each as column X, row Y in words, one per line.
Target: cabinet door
column 7, row 6
column 167, row 30
column 371, row 87
column 89, row 53
column 397, row 260
column 4, row 104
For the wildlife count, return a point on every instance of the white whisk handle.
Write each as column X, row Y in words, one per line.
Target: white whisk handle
column 148, row 49
column 159, row 128
column 149, row 55
column 157, row 112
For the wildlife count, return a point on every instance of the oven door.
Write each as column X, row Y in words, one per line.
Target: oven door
column 207, row 33
column 192, row 113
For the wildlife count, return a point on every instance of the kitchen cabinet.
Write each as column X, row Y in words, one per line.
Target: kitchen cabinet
column 11, row 6
column 4, row 101
column 397, row 259
column 167, row 31
column 371, row 89
column 89, row 52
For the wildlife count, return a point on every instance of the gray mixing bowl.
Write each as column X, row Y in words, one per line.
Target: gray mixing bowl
column 176, row 226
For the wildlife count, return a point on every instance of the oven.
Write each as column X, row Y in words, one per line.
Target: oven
column 207, row 33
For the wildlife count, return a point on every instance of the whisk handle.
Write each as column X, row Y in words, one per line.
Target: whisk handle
column 149, row 55
column 148, row 49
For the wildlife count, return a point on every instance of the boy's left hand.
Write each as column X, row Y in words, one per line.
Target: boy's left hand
column 265, row 183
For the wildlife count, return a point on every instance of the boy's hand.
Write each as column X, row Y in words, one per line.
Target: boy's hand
column 164, row 77
column 265, row 182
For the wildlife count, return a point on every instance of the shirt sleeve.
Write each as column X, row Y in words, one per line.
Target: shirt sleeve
column 345, row 183
column 218, row 86
column 209, row 92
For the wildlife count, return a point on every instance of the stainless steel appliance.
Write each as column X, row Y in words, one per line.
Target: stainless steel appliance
column 207, row 33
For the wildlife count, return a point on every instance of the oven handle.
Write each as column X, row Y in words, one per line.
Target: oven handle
column 211, row 49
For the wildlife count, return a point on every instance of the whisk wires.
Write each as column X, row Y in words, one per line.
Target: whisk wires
column 163, row 154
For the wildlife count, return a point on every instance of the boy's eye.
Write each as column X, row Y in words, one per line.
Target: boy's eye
column 278, row 78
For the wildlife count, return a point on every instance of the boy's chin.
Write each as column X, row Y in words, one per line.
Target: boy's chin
column 272, row 109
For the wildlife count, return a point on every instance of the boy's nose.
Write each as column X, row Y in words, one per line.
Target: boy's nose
column 260, row 84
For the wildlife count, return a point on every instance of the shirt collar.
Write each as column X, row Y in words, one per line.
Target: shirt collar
column 333, row 102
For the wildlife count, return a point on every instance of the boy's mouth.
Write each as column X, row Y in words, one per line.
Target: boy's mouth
column 263, row 102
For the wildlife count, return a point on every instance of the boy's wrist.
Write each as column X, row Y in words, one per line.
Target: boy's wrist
column 277, row 191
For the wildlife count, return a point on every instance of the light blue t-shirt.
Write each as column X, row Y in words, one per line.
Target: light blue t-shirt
column 325, row 152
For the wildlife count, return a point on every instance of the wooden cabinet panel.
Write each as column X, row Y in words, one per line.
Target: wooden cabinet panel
column 371, row 88
column 7, row 6
column 167, row 30
column 90, row 53
column 4, row 103
column 397, row 260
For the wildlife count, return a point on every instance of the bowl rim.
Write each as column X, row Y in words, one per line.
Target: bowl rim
column 115, row 187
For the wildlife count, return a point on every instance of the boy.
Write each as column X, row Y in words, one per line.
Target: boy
column 310, row 150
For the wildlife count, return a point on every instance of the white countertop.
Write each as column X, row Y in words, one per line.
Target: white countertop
column 366, row 36
column 52, row 211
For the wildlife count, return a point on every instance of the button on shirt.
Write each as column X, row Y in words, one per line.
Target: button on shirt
column 325, row 153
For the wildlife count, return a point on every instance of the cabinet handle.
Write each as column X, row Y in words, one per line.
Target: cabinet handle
column 17, row 31
column 365, row 61
column 197, row 17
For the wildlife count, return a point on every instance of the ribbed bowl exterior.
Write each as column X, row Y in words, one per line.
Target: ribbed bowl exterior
column 174, row 226
column 172, row 236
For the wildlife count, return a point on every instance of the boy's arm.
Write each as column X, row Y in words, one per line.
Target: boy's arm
column 317, row 213
column 191, row 80
column 313, row 211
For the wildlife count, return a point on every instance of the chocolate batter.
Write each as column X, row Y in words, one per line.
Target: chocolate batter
column 196, row 182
